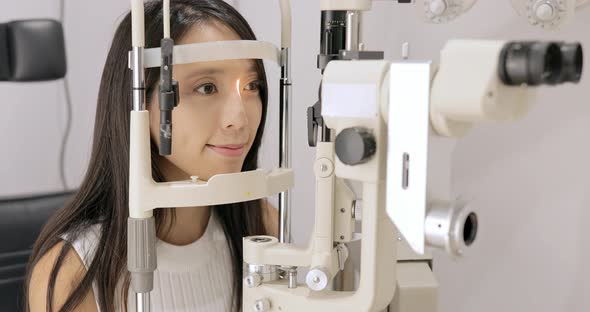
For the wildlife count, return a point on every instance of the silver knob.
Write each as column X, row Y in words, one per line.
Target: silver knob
column 438, row 7
column 317, row 279
column 262, row 305
column 545, row 11
column 253, row 280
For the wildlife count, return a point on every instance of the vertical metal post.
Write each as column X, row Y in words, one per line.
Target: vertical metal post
column 138, row 92
column 138, row 258
column 353, row 25
column 285, row 144
column 143, row 302
column 138, row 79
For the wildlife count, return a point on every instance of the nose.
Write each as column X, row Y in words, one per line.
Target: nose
column 234, row 116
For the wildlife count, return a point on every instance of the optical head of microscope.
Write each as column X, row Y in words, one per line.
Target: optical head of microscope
column 479, row 81
column 475, row 81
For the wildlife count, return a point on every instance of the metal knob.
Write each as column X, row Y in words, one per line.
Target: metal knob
column 355, row 146
column 438, row 7
column 262, row 305
column 317, row 279
column 545, row 11
column 253, row 280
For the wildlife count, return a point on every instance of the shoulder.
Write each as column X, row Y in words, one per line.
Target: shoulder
column 69, row 274
column 270, row 216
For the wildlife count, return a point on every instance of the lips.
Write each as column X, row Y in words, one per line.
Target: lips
column 228, row 150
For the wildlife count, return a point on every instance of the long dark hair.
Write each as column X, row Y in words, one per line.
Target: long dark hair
column 103, row 194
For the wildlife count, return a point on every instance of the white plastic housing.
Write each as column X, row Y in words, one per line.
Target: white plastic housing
column 215, row 51
column 378, row 251
column 467, row 88
column 408, row 143
column 346, row 5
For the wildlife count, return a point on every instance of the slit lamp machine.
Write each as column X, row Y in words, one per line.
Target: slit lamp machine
column 388, row 126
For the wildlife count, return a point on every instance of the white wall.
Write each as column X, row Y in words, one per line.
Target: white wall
column 33, row 117
column 528, row 178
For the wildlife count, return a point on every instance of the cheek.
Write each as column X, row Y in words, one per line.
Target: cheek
column 254, row 113
column 192, row 126
column 155, row 125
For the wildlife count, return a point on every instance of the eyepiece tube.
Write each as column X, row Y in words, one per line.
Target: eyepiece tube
column 451, row 226
column 332, row 37
column 531, row 63
column 573, row 62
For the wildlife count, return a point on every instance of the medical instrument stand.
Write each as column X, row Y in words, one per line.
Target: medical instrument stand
column 387, row 119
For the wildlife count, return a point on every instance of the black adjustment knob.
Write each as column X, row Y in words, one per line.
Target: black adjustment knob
column 355, row 146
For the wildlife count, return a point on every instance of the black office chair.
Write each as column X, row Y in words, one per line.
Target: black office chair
column 21, row 220
column 30, row 50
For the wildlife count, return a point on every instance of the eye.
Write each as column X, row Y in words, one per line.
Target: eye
column 207, row 89
column 253, row 86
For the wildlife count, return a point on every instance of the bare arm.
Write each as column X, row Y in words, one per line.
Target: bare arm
column 69, row 275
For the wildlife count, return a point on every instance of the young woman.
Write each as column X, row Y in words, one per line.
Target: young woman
column 79, row 260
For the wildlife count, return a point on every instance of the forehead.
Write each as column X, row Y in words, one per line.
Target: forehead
column 207, row 32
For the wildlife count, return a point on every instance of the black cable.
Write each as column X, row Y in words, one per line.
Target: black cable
column 66, row 134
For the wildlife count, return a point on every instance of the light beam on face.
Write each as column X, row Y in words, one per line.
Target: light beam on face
column 238, row 88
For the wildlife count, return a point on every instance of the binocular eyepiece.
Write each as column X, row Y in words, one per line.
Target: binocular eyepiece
column 537, row 63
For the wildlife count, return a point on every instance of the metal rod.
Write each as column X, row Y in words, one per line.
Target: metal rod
column 138, row 79
column 138, row 95
column 285, row 144
column 353, row 23
column 292, row 278
column 285, row 217
column 143, row 302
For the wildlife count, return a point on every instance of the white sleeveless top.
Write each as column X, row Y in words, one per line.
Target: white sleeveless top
column 193, row 277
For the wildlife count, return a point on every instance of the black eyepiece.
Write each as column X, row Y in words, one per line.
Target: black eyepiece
column 573, row 62
column 537, row 63
column 531, row 63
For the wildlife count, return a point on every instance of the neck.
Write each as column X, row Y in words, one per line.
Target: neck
column 189, row 225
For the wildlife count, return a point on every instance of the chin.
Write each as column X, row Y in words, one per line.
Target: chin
column 232, row 169
column 225, row 170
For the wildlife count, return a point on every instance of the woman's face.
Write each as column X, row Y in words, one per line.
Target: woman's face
column 216, row 120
